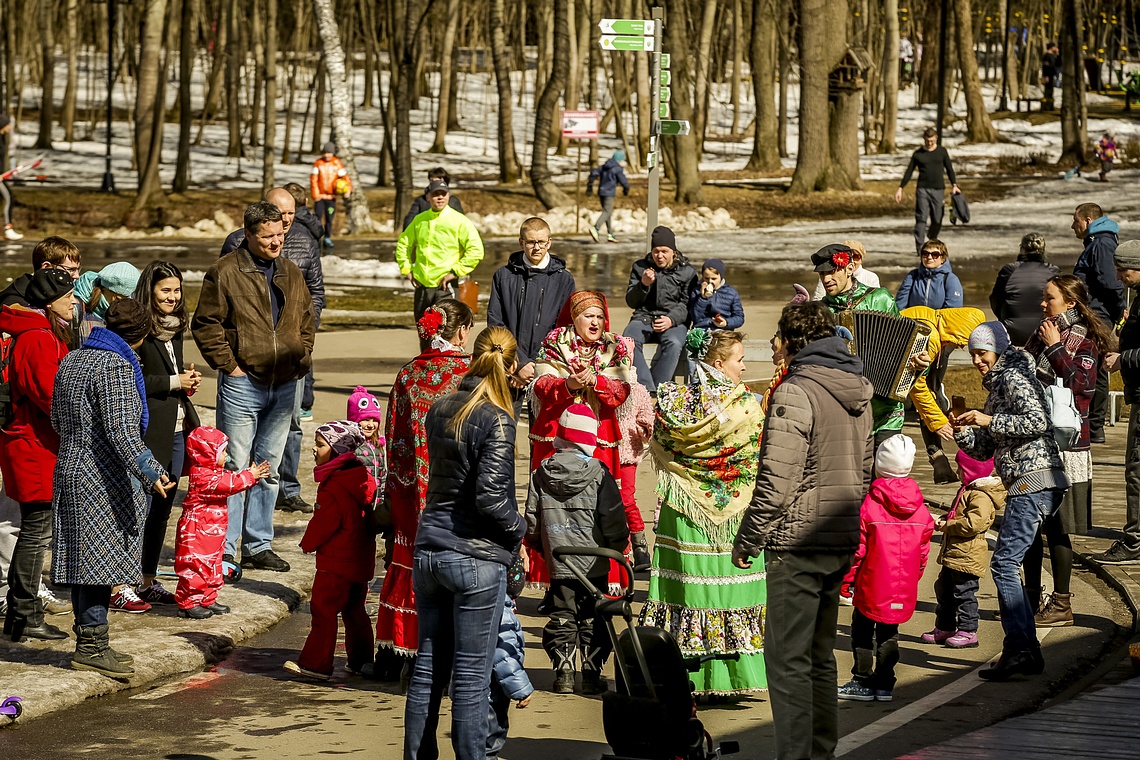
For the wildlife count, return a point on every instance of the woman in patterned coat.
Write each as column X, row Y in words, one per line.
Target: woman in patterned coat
column 101, row 478
column 430, row 376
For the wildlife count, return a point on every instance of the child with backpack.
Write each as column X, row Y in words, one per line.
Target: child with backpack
column 574, row 501
column 894, row 540
column 201, row 535
column 341, row 533
column 965, row 554
column 509, row 681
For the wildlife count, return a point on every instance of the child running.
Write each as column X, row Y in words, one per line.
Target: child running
column 201, row 534
column 965, row 553
column 574, row 501
column 509, row 681
column 340, row 532
column 894, row 540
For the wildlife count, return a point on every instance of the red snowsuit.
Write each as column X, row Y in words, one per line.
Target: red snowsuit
column 340, row 533
column 201, row 535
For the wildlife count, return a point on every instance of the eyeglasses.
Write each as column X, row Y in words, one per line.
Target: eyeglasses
column 536, row 243
column 73, row 271
column 931, row 255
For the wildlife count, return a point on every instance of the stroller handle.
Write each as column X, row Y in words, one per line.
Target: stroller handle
column 562, row 552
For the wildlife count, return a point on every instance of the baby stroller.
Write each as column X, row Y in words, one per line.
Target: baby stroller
column 652, row 714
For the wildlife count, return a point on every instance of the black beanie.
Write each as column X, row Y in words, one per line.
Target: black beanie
column 128, row 319
column 663, row 236
column 47, row 285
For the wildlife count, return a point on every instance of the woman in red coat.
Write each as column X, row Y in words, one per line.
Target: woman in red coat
column 28, row 444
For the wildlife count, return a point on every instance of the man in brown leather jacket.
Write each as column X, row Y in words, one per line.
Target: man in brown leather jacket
column 255, row 325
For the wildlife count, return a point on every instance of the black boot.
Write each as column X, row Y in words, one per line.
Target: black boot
column 93, row 652
column 642, row 560
column 1024, row 662
column 593, row 682
column 563, row 658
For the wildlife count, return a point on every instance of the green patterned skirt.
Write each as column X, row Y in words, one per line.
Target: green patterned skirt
column 708, row 604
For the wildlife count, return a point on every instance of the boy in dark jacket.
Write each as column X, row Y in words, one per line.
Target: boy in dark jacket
column 509, row 681
column 341, row 534
column 713, row 303
column 574, row 501
column 609, row 175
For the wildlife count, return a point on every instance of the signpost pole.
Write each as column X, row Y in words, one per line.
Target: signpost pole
column 655, row 125
column 578, row 191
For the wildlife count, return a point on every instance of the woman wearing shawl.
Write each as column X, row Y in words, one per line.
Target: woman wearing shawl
column 580, row 361
column 705, row 448
column 430, row 376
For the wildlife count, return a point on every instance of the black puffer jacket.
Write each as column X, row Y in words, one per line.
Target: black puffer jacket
column 302, row 250
column 1130, row 357
column 309, row 221
column 815, row 461
column 471, row 506
column 527, row 301
column 668, row 296
column 1016, row 297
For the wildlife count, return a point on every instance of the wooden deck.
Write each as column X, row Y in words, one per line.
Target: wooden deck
column 1101, row 725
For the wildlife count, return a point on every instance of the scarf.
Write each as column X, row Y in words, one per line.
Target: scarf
column 166, row 328
column 322, row 471
column 706, row 446
column 443, row 345
column 1073, row 334
column 103, row 339
column 563, row 351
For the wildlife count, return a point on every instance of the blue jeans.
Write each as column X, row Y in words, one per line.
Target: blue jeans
column 1024, row 514
column 291, row 457
column 459, row 601
column 90, row 604
column 668, row 351
column 256, row 419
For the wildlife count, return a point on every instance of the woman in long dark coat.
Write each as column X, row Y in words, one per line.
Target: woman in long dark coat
column 102, row 475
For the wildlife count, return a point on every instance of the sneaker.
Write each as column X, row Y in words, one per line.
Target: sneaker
column 611, row 239
column 962, row 640
column 11, row 234
column 293, row 667
column 155, row 593
column 328, row 242
column 231, row 570
column 265, row 560
column 884, row 695
column 846, row 601
column 294, row 504
column 217, row 608
column 195, row 613
column 594, row 233
column 306, row 414
column 856, row 691
column 1119, row 554
column 127, row 600
column 53, row 605
column 937, row 636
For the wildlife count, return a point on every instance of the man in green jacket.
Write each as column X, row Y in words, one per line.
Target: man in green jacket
column 446, row 247
column 835, row 264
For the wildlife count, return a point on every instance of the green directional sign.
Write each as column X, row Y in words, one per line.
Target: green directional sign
column 665, row 91
column 674, row 127
column 662, row 110
column 664, row 62
column 634, row 44
column 626, row 26
column 665, row 78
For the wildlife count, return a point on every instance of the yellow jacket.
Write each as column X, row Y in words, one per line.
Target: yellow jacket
column 442, row 242
column 951, row 329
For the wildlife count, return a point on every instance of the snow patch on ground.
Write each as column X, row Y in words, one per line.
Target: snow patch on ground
column 624, row 221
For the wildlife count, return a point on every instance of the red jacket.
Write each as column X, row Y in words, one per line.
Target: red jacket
column 340, row 529
column 29, row 444
column 210, row 483
column 894, row 540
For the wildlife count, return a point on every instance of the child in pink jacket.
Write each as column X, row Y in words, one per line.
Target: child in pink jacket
column 894, row 540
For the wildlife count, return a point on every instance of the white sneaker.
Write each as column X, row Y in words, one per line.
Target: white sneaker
column 11, row 234
column 53, row 605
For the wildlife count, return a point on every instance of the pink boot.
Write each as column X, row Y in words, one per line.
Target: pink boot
column 937, row 636
column 962, row 640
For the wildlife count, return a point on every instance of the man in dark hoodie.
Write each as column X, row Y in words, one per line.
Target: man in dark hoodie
column 609, row 175
column 806, row 521
column 1106, row 293
column 527, row 296
column 658, row 292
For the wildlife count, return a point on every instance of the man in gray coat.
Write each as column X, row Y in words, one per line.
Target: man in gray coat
column 807, row 523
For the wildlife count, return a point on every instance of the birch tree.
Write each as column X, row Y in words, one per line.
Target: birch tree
column 541, row 177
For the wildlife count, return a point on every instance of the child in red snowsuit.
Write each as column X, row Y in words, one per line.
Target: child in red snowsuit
column 341, row 533
column 202, row 528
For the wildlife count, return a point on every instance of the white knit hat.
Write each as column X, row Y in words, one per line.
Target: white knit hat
column 895, row 457
column 578, row 428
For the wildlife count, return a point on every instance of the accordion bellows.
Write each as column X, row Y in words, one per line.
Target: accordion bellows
column 886, row 343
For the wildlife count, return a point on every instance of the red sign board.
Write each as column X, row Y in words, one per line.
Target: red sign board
column 580, row 125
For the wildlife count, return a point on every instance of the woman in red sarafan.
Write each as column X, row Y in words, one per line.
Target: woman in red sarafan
column 433, row 374
column 580, row 361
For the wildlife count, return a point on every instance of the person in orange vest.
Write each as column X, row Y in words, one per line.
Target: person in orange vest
column 328, row 180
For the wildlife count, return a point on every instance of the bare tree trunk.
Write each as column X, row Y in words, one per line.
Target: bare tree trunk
column 979, row 129
column 784, row 41
column 541, row 177
column 268, row 155
column 737, row 62
column 233, row 80
column 509, row 168
column 217, row 71
column 150, row 56
column 928, row 64
column 1074, row 116
column 185, row 112
column 1009, row 71
column 704, row 52
column 446, row 63
column 47, row 49
column 685, row 148
column 341, row 109
column 762, row 61
column 70, row 91
column 319, row 108
column 409, row 16
column 887, row 144
column 150, row 183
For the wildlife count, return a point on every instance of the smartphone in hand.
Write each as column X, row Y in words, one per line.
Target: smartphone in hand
column 958, row 405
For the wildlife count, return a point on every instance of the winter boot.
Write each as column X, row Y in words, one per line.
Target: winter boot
column 1056, row 613
column 93, row 652
column 943, row 472
column 122, row 657
column 593, row 682
column 563, row 659
column 642, row 560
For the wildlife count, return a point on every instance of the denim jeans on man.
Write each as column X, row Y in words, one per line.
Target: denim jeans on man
column 256, row 419
column 1024, row 514
column 669, row 345
column 26, row 571
column 459, row 600
column 291, row 457
column 927, row 206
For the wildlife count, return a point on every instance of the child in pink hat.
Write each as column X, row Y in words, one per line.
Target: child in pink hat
column 364, row 409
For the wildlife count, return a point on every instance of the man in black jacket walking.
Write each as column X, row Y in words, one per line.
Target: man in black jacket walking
column 527, row 296
column 930, row 160
column 658, row 293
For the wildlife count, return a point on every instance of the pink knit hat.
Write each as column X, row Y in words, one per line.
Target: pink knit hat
column 578, row 427
column 973, row 469
column 362, row 405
